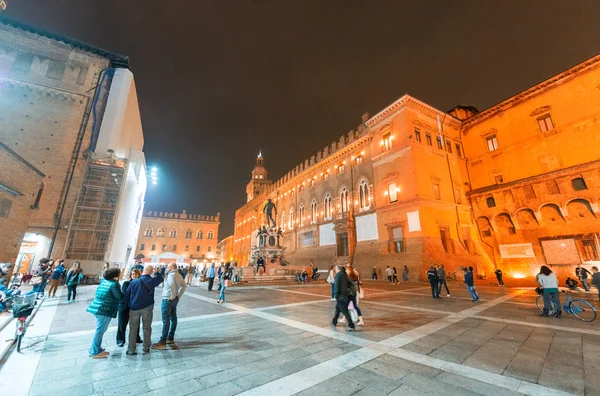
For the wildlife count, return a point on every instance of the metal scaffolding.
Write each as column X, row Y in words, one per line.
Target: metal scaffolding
column 92, row 222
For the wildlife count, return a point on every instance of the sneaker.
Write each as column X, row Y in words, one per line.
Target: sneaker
column 351, row 329
column 333, row 323
column 130, row 353
column 121, row 344
column 159, row 345
column 333, row 299
column 101, row 355
column 146, row 351
column 448, row 295
column 170, row 342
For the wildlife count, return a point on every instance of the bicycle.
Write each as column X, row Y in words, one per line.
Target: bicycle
column 22, row 308
column 578, row 307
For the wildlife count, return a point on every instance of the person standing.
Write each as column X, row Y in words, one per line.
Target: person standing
column 222, row 284
column 582, row 274
column 104, row 308
column 210, row 275
column 106, row 266
column 41, row 274
column 354, row 278
column 190, row 275
column 55, row 278
column 432, row 276
column 342, row 284
column 549, row 283
column 470, row 282
column 123, row 311
column 330, row 280
column 139, row 296
column 499, row 274
column 405, row 274
column 72, row 280
column 174, row 288
column 395, row 277
column 441, row 272
column 596, row 280
column 390, row 274
column 374, row 276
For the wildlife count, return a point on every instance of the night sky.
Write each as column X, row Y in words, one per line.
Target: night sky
column 219, row 80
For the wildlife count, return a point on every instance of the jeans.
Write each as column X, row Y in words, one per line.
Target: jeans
column 435, row 291
column 222, row 292
column 332, row 290
column 341, row 306
column 390, row 278
column 43, row 287
column 211, row 281
column 585, row 284
column 71, row 289
column 440, row 283
column 169, row 319
column 123, row 318
column 102, row 323
column 473, row 292
column 352, row 299
column 556, row 299
column 374, row 277
column 145, row 314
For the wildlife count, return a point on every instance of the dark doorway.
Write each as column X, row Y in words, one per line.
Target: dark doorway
column 342, row 244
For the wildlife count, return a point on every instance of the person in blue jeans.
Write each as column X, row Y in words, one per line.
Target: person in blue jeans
column 469, row 281
column 174, row 288
column 222, row 282
column 104, row 308
column 331, row 281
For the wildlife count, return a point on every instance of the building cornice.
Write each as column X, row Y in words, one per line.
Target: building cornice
column 405, row 100
column 533, row 91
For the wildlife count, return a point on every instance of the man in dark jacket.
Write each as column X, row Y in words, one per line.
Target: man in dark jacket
column 341, row 292
column 433, row 281
column 499, row 275
column 140, row 298
column 582, row 274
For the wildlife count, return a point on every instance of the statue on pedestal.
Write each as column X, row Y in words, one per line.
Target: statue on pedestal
column 268, row 211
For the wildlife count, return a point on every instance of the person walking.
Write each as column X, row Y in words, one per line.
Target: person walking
column 374, row 276
column 549, row 283
column 104, row 308
column 72, row 280
column 210, row 275
column 432, row 276
column 139, row 296
column 499, row 275
column 175, row 286
column 55, row 278
column 222, row 284
column 40, row 276
column 190, row 275
column 596, row 280
column 353, row 298
column 470, row 282
column 331, row 281
column 390, row 274
column 405, row 274
column 582, row 274
column 123, row 311
column 395, row 277
column 441, row 272
column 342, row 285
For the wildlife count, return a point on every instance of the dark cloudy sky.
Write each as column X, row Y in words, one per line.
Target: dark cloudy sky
column 217, row 80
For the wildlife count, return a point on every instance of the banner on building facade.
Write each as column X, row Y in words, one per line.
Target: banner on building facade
column 306, row 239
column 366, row 227
column 516, row 250
column 414, row 222
column 326, row 235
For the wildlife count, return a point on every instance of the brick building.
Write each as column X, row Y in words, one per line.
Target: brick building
column 225, row 249
column 511, row 187
column 70, row 110
column 190, row 236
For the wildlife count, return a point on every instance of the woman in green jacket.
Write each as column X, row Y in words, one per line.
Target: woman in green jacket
column 104, row 308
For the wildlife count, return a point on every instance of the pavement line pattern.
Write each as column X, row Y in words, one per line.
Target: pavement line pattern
column 498, row 380
column 542, row 325
column 314, row 375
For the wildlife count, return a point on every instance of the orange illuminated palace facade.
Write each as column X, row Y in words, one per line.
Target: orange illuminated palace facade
column 512, row 187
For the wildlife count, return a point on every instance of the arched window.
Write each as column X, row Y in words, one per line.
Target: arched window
column 173, row 233
column 579, row 184
column 327, row 204
column 344, row 200
column 199, row 234
column 301, row 215
column 490, row 202
column 148, row 232
column 210, row 235
column 160, row 232
column 291, row 224
column 363, row 195
column 283, row 221
column 313, row 212
column 188, row 234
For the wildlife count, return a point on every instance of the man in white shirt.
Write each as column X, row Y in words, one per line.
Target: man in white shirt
column 390, row 274
column 173, row 290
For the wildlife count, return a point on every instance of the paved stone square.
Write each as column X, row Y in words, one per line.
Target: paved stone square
column 277, row 340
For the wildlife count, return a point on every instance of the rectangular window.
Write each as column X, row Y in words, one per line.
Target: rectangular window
column 5, row 205
column 393, row 192
column 341, row 168
column 56, row 69
column 209, row 248
column 465, row 235
column 457, row 196
column 417, row 135
column 428, row 138
column 492, row 143
column 387, row 141
column 436, row 191
column 301, row 188
column 398, row 241
column 312, row 182
column 174, row 248
column 358, row 160
column 197, row 248
column 458, row 150
column 153, row 247
column 142, row 246
column 82, row 75
column 498, row 179
column 187, row 248
column 545, row 123
column 529, row 192
column 325, row 175
column 446, row 241
column 449, row 146
column 23, row 63
column 552, row 187
column 439, row 143
column 164, row 248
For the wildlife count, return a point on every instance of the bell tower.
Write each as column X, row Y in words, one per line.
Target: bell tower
column 259, row 181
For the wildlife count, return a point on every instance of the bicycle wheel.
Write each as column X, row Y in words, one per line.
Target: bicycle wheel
column 19, row 338
column 582, row 309
column 540, row 304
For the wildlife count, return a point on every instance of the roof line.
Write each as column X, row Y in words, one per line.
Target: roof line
column 23, row 160
column 115, row 59
column 9, row 190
